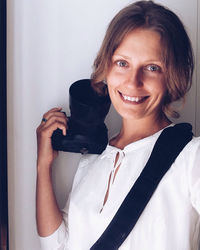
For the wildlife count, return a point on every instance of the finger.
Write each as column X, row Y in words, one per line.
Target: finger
column 48, row 130
column 49, row 115
column 57, row 114
column 57, row 117
column 53, row 119
column 52, row 110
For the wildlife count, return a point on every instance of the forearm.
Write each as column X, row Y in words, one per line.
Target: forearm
column 48, row 214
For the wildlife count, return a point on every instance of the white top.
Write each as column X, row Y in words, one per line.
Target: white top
column 170, row 220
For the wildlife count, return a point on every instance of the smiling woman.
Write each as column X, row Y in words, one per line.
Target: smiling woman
column 136, row 78
column 50, row 45
column 174, row 55
column 144, row 64
column 3, row 132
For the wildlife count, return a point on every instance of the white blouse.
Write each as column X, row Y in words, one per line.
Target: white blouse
column 170, row 220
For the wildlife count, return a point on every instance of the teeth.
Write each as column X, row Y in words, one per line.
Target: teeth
column 132, row 99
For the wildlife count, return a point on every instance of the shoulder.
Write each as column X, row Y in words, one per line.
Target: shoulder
column 192, row 148
column 190, row 155
column 194, row 142
column 191, row 161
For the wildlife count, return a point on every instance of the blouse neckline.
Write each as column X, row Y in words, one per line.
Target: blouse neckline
column 137, row 144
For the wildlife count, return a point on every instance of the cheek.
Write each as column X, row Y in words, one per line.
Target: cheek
column 162, row 87
column 111, row 92
column 112, row 81
column 156, row 85
column 115, row 77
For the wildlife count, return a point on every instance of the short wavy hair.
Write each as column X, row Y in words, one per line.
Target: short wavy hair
column 177, row 50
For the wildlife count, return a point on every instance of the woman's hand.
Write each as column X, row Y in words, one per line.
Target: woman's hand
column 48, row 213
column 52, row 120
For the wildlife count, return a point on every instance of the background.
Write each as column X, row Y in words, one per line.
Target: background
column 50, row 45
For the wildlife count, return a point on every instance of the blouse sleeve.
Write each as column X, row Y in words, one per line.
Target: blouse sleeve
column 56, row 241
column 59, row 239
column 194, row 174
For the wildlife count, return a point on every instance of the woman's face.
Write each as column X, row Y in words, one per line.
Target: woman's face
column 136, row 81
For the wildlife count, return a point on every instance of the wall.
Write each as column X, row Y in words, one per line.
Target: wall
column 198, row 71
column 50, row 45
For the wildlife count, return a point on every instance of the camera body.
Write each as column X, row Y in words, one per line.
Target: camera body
column 87, row 132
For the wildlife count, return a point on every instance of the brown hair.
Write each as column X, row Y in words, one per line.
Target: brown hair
column 177, row 50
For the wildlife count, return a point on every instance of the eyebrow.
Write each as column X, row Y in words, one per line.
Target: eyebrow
column 126, row 57
column 149, row 60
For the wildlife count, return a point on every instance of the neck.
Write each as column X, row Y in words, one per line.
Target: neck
column 134, row 130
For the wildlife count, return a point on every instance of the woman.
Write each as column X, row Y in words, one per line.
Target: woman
column 145, row 63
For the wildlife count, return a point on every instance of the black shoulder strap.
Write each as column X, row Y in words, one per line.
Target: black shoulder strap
column 168, row 146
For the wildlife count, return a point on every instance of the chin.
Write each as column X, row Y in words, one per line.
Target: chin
column 131, row 115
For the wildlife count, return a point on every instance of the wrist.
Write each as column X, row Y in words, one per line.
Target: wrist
column 44, row 168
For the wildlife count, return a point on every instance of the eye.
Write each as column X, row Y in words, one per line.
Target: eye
column 122, row 63
column 153, row 68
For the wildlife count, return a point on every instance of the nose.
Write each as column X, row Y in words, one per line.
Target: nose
column 134, row 78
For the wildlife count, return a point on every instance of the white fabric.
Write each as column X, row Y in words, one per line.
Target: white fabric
column 171, row 219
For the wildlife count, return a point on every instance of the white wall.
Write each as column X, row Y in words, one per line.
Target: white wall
column 198, row 72
column 50, row 45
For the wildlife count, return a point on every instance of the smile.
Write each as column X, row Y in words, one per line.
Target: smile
column 134, row 99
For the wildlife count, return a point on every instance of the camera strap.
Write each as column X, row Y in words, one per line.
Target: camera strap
column 167, row 147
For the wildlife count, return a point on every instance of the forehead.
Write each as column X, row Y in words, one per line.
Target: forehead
column 141, row 42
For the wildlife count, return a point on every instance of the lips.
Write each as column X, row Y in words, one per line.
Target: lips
column 133, row 99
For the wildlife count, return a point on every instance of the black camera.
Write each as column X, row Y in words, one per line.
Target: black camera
column 87, row 132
